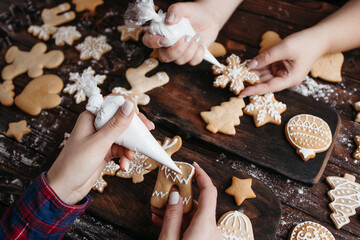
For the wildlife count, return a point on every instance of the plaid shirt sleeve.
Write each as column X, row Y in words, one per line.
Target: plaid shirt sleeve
column 40, row 214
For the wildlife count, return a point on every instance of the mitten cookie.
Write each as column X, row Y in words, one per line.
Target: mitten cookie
column 269, row 39
column 235, row 225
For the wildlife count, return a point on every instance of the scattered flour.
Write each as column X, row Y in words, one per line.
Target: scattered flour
column 309, row 87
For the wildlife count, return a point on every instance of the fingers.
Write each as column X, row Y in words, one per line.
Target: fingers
column 177, row 11
column 84, row 125
column 274, row 85
column 171, row 226
column 149, row 124
column 154, row 41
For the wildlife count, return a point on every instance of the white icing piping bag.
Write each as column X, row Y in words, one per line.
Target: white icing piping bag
column 146, row 12
column 136, row 137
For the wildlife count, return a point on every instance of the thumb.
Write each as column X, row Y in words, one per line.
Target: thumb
column 267, row 57
column 173, row 218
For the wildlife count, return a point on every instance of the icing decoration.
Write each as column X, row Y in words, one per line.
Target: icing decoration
column 159, row 194
column 93, row 47
column 66, row 35
column 310, row 231
column 42, row 32
column 265, row 109
column 240, row 189
column 66, row 138
column 130, row 31
column 142, row 165
column 88, row 75
column 17, row 130
column 345, row 197
column 140, row 84
column 7, row 93
column 357, row 108
column 146, row 12
column 167, row 178
column 234, row 73
column 308, row 134
column 356, row 154
column 110, row 169
column 235, row 225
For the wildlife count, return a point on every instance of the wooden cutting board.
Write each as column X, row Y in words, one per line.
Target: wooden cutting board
column 190, row 91
column 128, row 205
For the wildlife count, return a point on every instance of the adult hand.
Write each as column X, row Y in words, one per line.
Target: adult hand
column 199, row 223
column 87, row 151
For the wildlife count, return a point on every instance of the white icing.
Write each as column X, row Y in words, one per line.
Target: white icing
column 159, row 194
column 66, row 34
column 169, row 174
column 310, row 231
column 43, row 32
column 186, row 200
column 236, row 226
column 93, row 47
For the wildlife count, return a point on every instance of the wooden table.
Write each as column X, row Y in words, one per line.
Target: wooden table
column 21, row 162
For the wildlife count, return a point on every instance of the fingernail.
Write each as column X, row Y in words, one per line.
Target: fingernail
column 127, row 107
column 153, row 126
column 195, row 163
column 174, row 198
column 242, row 96
column 187, row 40
column 163, row 41
column 197, row 38
column 170, row 18
column 253, row 64
column 126, row 167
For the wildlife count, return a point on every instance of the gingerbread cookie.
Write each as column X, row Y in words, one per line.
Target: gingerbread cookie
column 240, row 189
column 40, row 93
column 235, row 73
column 93, row 47
column 90, row 5
column 225, row 117
column 217, row 49
column 308, row 134
column 110, row 169
column 357, row 108
column 265, row 109
column 66, row 35
column 17, row 130
column 66, row 138
column 345, row 197
column 167, row 178
column 7, row 93
column 140, row 84
column 142, row 164
column 31, row 62
column 42, row 32
column 155, row 54
column 235, row 225
column 310, row 231
column 356, row 154
column 268, row 40
column 88, row 75
column 130, row 31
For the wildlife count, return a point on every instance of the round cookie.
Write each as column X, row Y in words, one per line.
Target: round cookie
column 310, row 231
column 235, row 225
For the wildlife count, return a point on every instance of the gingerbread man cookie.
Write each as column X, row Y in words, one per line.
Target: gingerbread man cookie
column 110, row 169
column 310, row 231
column 140, row 84
column 265, row 109
column 240, row 189
column 235, row 225
column 357, row 108
column 356, row 154
column 17, row 130
column 31, row 62
column 235, row 73
column 130, row 31
column 7, row 93
column 93, row 47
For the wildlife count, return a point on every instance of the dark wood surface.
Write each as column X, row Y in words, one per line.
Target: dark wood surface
column 21, row 162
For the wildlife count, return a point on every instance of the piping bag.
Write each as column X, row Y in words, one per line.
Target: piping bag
column 145, row 11
column 136, row 137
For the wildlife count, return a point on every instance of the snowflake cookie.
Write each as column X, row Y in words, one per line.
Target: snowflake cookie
column 130, row 31
column 310, row 231
column 357, row 108
column 110, row 169
column 93, row 47
column 265, row 109
column 345, row 197
column 66, row 35
column 78, row 80
column 235, row 73
column 356, row 154
column 42, row 32
column 235, row 225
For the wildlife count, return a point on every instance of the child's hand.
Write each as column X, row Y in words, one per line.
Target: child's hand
column 286, row 64
column 187, row 49
column 87, row 152
column 199, row 223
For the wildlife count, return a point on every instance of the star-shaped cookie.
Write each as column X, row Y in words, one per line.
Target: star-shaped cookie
column 240, row 189
column 130, row 31
column 235, row 73
column 265, row 109
column 357, row 108
column 18, row 129
column 93, row 47
column 356, row 154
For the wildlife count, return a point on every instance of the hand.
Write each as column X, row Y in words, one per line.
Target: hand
column 199, row 223
column 87, row 151
column 187, row 49
column 286, row 64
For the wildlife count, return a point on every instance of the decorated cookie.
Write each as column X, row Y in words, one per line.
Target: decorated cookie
column 235, row 73
column 235, row 225
column 87, row 76
column 308, row 134
column 7, row 93
column 356, row 154
column 17, row 130
column 31, row 62
column 93, row 47
column 357, row 108
column 90, row 5
column 40, row 93
column 265, row 109
column 217, row 49
column 110, row 169
column 66, row 35
column 142, row 164
column 66, row 138
column 345, row 197
column 130, row 31
column 328, row 67
column 268, row 40
column 240, row 189
column 310, row 231
column 167, row 178
column 140, row 84
column 225, row 117
column 42, row 32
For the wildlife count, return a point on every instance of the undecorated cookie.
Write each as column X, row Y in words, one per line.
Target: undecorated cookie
column 217, row 49
column 17, row 130
column 90, row 5
column 235, row 225
column 7, row 93
column 240, row 189
column 356, row 154
column 310, row 231
column 357, row 108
